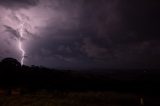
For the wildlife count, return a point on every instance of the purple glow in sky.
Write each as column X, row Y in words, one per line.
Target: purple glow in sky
column 81, row 34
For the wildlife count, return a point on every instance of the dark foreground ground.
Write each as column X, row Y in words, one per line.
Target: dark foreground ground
column 89, row 98
column 40, row 86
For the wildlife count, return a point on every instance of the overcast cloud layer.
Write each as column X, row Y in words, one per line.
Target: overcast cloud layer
column 83, row 33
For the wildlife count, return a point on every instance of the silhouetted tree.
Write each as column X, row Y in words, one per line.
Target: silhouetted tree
column 10, row 65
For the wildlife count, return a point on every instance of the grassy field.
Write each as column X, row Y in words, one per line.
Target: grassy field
column 58, row 98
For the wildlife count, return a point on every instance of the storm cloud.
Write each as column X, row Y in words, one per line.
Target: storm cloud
column 83, row 33
column 16, row 4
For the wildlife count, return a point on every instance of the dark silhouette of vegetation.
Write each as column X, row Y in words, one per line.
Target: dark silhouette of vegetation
column 13, row 75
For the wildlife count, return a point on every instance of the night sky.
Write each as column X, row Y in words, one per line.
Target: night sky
column 83, row 34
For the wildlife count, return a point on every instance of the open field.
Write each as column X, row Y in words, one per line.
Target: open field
column 93, row 98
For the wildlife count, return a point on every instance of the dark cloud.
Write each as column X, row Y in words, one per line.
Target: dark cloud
column 115, row 20
column 109, row 33
column 12, row 31
column 94, row 51
column 18, row 3
column 90, row 33
column 142, row 17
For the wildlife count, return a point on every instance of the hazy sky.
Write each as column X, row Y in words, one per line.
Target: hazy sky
column 83, row 33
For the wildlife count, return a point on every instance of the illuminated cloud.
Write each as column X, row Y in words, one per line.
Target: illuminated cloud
column 93, row 33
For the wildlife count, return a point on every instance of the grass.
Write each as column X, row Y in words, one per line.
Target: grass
column 58, row 98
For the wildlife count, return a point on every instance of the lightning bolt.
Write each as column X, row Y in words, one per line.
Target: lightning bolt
column 21, row 31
